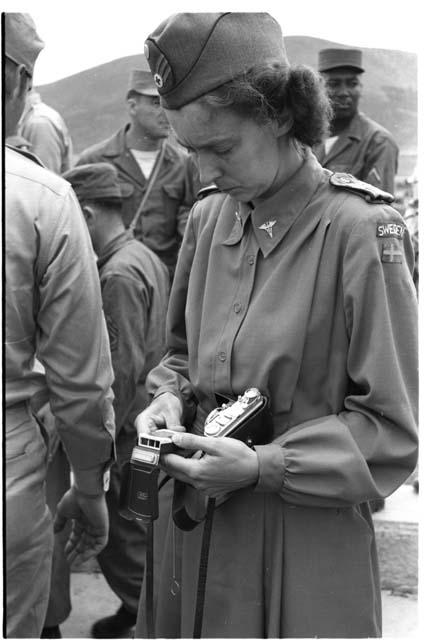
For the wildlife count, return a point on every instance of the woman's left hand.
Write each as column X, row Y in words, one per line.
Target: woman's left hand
column 227, row 464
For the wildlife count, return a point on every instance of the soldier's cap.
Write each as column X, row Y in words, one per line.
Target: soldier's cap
column 22, row 44
column 190, row 54
column 329, row 59
column 95, row 181
column 142, row 82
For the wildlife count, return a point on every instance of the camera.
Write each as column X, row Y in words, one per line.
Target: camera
column 245, row 419
column 139, row 489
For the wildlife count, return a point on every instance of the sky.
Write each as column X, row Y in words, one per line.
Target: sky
column 80, row 34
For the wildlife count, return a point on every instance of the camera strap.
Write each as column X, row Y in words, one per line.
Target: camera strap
column 202, row 572
column 149, row 580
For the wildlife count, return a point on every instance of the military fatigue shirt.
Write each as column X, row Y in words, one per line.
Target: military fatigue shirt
column 53, row 310
column 162, row 224
column 366, row 150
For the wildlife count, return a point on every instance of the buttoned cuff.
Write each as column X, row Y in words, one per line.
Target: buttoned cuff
column 92, row 482
column 271, row 468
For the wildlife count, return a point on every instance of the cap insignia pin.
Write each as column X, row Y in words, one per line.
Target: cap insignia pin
column 238, row 217
column 267, row 226
column 158, row 80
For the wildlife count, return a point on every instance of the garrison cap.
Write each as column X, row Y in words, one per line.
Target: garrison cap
column 142, row 82
column 96, row 181
column 191, row 54
column 329, row 59
column 22, row 42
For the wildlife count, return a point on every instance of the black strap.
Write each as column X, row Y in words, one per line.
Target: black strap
column 149, row 576
column 181, row 517
column 202, row 573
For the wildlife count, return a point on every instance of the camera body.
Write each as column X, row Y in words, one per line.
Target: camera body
column 243, row 419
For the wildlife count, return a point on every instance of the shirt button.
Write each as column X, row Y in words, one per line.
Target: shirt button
column 250, row 259
column 222, row 356
column 237, row 307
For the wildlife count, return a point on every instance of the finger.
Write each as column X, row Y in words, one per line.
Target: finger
column 146, row 423
column 193, row 442
column 177, row 427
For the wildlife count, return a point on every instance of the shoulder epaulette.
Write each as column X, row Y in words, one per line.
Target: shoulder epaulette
column 27, row 154
column 367, row 191
column 207, row 191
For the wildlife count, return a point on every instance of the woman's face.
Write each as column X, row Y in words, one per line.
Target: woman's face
column 241, row 157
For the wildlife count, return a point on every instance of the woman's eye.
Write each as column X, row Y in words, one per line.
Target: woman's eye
column 223, row 152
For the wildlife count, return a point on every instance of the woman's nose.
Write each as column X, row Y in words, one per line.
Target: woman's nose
column 208, row 168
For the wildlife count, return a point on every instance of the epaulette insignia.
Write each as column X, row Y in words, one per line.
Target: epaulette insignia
column 363, row 189
column 27, row 154
column 207, row 191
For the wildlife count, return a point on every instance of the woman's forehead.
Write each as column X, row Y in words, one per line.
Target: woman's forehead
column 204, row 125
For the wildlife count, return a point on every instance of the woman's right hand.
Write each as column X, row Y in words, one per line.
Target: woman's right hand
column 164, row 412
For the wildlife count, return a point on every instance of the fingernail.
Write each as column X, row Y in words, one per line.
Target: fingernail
column 177, row 438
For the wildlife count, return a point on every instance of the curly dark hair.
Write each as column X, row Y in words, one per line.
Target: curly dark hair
column 278, row 92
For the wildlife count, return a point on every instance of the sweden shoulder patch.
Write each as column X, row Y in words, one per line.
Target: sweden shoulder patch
column 367, row 191
column 207, row 191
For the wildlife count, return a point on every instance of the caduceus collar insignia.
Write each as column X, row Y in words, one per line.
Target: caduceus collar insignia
column 267, row 226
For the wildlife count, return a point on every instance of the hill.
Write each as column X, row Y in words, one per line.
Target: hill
column 93, row 101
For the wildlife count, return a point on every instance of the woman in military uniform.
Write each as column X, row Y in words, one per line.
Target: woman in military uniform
column 298, row 282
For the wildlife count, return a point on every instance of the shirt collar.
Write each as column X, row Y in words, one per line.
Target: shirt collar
column 242, row 213
column 279, row 212
column 113, row 246
column 354, row 129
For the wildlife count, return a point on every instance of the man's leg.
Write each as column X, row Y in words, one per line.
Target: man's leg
column 29, row 535
column 59, row 608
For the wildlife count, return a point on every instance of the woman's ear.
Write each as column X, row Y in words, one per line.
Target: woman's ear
column 285, row 125
column 282, row 126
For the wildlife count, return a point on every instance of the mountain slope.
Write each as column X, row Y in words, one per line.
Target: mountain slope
column 93, row 101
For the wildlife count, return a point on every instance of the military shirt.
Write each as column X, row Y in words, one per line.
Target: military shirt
column 135, row 287
column 53, row 311
column 309, row 297
column 364, row 149
column 48, row 134
column 162, row 224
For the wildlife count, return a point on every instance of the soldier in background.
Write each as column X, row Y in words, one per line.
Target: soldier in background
column 134, row 151
column 53, row 312
column 135, row 287
column 357, row 144
column 48, row 134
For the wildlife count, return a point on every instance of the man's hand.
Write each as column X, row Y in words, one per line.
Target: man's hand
column 89, row 531
column 164, row 412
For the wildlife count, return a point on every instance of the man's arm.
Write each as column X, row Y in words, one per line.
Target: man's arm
column 72, row 344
